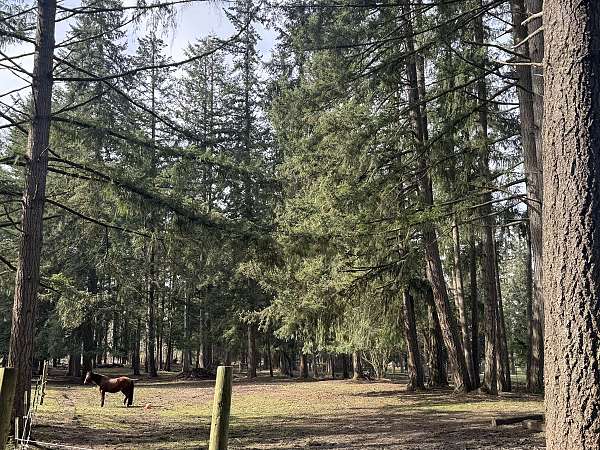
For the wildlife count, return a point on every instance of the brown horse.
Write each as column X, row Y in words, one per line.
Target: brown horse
column 112, row 385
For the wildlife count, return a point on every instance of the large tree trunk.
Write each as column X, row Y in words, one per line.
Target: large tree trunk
column 135, row 354
column 88, row 346
column 443, row 311
column 356, row 366
column 530, row 111
column 281, row 362
column 87, row 330
column 286, row 364
column 415, row 368
column 460, row 297
column 536, row 53
column 438, row 375
column 502, row 362
column 488, row 272
column 571, row 218
column 251, row 351
column 169, row 355
column 202, row 354
column 269, row 354
column 474, row 300
column 488, row 254
column 529, row 291
column 98, row 339
column 152, row 269
column 30, row 242
column 435, row 274
column 332, row 366
column 345, row 372
column 74, row 368
column 303, row 366
column 116, row 334
column 151, row 317
column 77, row 364
column 161, row 330
column 186, row 355
column 207, row 345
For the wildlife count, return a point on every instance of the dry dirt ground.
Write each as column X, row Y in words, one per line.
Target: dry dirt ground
column 283, row 414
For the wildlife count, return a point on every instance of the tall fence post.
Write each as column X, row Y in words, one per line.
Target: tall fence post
column 8, row 382
column 219, row 427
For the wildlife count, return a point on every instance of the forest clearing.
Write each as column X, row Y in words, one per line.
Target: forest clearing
column 364, row 223
column 285, row 413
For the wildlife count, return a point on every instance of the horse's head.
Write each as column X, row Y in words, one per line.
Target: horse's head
column 88, row 378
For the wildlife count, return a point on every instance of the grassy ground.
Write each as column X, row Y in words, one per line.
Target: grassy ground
column 283, row 414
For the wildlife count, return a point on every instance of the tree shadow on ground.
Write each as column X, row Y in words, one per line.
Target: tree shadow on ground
column 448, row 396
column 436, row 419
column 377, row 428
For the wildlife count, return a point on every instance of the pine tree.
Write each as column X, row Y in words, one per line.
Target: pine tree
column 30, row 243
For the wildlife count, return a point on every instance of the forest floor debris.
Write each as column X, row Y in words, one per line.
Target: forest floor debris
column 284, row 413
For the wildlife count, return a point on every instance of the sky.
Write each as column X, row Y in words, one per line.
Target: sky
column 194, row 21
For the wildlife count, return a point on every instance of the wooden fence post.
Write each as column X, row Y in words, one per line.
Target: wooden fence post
column 8, row 382
column 222, row 405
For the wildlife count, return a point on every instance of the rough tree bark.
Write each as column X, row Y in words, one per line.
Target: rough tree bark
column 571, row 223
column 415, row 368
column 30, row 243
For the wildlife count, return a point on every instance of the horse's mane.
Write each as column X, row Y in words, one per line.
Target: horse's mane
column 97, row 378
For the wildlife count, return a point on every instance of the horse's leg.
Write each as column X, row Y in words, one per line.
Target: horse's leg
column 125, row 392
column 102, row 399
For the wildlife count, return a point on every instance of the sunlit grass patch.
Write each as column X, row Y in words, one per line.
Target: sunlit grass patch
column 264, row 413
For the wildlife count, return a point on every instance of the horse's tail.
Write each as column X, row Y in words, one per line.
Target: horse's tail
column 130, row 399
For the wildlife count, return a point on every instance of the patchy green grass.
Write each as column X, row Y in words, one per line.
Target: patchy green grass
column 283, row 413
